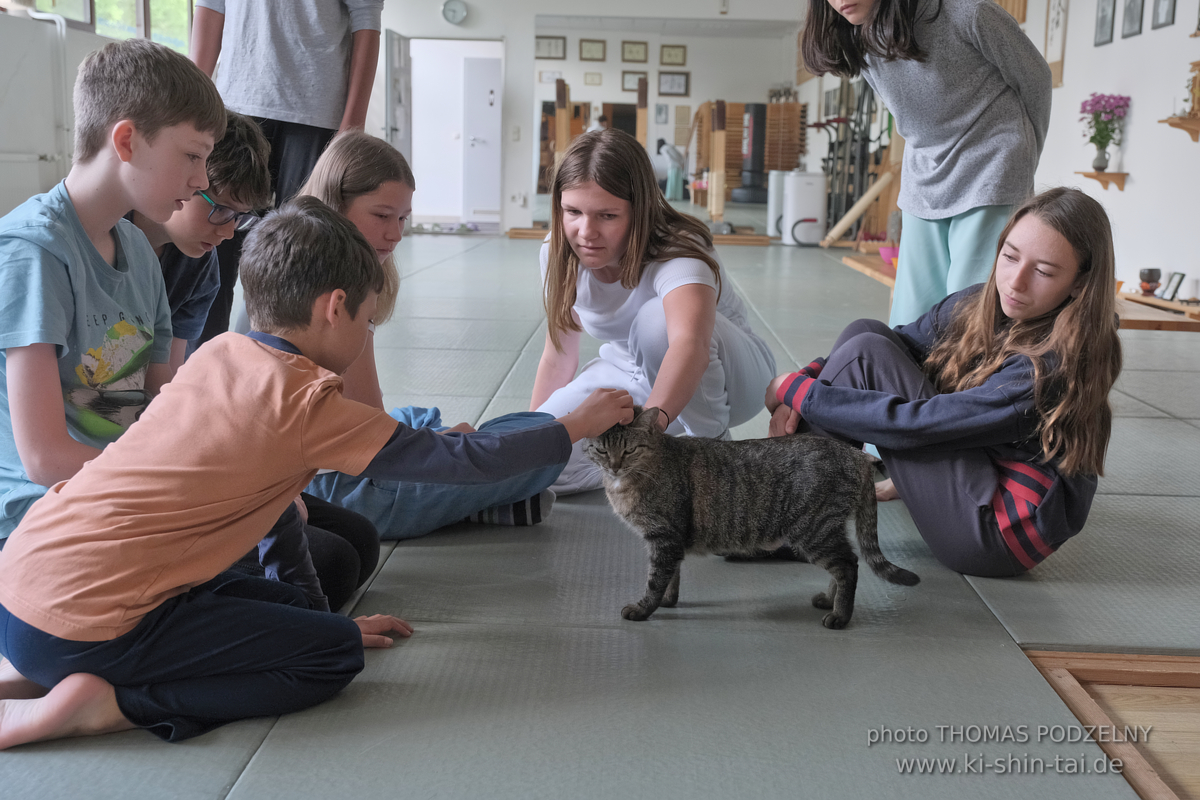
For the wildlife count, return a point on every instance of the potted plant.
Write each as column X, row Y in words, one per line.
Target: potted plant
column 1103, row 118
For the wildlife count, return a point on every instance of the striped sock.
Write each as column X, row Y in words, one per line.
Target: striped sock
column 529, row 511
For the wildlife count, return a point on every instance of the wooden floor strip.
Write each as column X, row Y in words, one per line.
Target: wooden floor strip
column 1119, row 690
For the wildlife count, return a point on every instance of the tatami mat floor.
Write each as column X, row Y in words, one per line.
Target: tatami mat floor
column 522, row 680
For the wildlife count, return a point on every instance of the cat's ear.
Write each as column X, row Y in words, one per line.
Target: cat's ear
column 647, row 419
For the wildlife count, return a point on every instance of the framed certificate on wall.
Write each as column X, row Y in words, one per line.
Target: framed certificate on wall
column 550, row 47
column 629, row 80
column 634, row 52
column 673, row 55
column 674, row 84
column 592, row 49
column 1056, row 39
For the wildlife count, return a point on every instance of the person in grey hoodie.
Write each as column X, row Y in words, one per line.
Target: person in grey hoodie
column 971, row 96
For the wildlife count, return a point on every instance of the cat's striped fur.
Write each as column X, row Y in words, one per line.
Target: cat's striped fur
column 686, row 494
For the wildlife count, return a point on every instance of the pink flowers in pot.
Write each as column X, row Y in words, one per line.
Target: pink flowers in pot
column 1104, row 115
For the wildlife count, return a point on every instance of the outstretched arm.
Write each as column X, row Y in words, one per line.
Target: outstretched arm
column 691, row 312
column 556, row 368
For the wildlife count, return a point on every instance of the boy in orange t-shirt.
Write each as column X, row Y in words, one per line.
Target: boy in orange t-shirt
column 113, row 590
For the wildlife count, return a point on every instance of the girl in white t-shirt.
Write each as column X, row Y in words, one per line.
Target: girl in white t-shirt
column 624, row 266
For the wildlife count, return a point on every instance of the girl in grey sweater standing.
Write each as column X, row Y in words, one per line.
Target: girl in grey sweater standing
column 971, row 96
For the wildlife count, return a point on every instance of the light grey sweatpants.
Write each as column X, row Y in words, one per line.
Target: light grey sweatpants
column 740, row 365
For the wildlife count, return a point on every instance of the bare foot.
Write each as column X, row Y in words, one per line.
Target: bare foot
column 80, row 705
column 14, row 685
column 886, row 490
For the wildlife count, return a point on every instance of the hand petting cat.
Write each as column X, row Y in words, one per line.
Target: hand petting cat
column 601, row 410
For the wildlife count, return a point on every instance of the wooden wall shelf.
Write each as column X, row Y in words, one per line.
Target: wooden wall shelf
column 1193, row 312
column 1106, row 178
column 1189, row 124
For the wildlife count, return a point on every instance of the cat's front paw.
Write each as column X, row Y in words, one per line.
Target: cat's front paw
column 821, row 600
column 834, row 621
column 670, row 599
column 635, row 613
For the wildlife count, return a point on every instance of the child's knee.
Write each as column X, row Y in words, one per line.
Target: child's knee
column 858, row 328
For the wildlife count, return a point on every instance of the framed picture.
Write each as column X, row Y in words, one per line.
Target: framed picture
column 592, row 49
column 550, row 47
column 549, row 75
column 593, row 78
column 831, row 102
column 662, row 114
column 1056, row 39
column 1104, row 21
column 674, row 84
column 634, row 52
column 1171, row 287
column 629, row 80
column 673, row 55
column 1163, row 15
column 1132, row 24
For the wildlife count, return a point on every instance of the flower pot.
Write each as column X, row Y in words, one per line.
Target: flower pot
column 1101, row 161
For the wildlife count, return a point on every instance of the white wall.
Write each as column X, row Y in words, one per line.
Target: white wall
column 1155, row 218
column 513, row 21
column 736, row 70
column 31, row 158
column 437, row 112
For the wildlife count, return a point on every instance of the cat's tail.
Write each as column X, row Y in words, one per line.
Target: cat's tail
column 866, row 528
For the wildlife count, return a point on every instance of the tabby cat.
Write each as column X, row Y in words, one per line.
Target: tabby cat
column 686, row 494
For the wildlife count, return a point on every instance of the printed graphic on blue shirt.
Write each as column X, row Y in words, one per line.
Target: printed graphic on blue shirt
column 112, row 376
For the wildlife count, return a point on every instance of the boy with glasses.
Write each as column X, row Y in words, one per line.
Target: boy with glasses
column 186, row 244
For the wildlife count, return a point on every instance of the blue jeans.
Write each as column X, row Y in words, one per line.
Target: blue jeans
column 404, row 510
column 233, row 648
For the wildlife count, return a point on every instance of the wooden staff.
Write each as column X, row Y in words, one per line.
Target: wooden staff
column 716, row 165
column 562, row 119
column 896, row 157
column 643, row 111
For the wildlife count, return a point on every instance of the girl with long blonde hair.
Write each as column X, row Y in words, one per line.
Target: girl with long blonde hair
column 623, row 265
column 371, row 184
column 990, row 412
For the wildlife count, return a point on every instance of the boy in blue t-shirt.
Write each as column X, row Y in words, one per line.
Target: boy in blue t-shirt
column 85, row 329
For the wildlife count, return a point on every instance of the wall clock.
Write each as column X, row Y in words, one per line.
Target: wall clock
column 454, row 11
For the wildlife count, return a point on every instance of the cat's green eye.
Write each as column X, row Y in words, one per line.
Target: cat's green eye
column 600, row 450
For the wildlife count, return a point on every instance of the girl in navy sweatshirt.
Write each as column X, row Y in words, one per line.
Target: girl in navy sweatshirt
column 991, row 411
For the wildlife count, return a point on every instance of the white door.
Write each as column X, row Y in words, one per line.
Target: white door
column 398, row 75
column 482, row 126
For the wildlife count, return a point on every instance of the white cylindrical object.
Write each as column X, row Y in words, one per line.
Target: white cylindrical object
column 803, row 208
column 775, row 201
